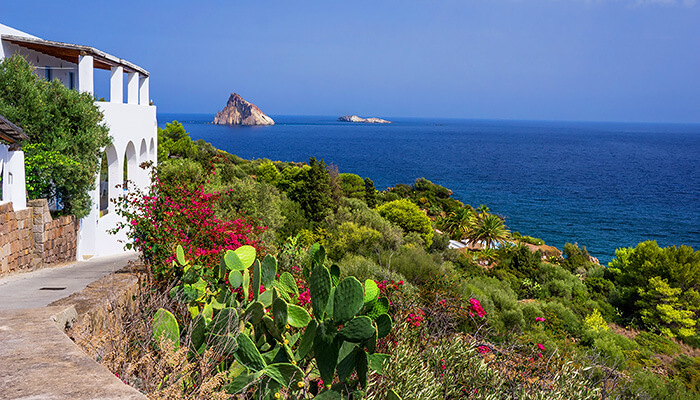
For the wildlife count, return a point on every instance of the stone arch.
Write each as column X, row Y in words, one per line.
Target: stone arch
column 131, row 164
column 113, row 177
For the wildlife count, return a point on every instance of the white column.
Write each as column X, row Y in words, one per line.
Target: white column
column 85, row 74
column 132, row 96
column 143, row 91
column 116, row 85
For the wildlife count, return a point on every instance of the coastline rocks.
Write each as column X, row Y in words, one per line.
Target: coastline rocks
column 240, row 112
column 355, row 118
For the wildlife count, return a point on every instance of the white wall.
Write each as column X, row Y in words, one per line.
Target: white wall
column 13, row 178
column 129, row 125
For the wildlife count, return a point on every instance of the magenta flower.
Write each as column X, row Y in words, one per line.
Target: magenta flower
column 539, row 319
column 540, row 346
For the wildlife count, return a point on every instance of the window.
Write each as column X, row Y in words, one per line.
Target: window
column 48, row 74
column 71, row 80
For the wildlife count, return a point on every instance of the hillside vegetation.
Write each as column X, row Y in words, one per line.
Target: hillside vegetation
column 291, row 280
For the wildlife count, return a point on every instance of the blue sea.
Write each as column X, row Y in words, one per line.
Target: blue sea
column 601, row 185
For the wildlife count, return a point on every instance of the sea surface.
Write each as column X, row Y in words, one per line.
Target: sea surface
column 601, row 185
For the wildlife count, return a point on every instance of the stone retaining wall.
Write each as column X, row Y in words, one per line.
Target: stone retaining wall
column 31, row 239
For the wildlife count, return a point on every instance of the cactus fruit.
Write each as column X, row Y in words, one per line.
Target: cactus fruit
column 358, row 329
column 320, row 290
column 348, row 299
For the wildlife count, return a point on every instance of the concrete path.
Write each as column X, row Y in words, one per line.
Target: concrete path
column 37, row 359
column 44, row 286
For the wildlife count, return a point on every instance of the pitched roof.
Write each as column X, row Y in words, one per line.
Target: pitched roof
column 10, row 132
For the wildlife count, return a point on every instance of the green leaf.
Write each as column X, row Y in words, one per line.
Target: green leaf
column 307, row 340
column 347, row 361
column 348, row 299
column 180, row 255
column 285, row 374
column 165, row 326
column 235, row 279
column 358, row 329
column 248, row 355
column 391, row 395
column 297, row 316
column 379, row 308
column 246, row 254
column 335, row 274
column 272, row 328
column 198, row 331
column 326, row 347
column 319, row 290
column 371, row 291
column 287, row 283
column 268, row 271
column 232, row 261
column 254, row 312
column 328, row 395
column 376, row 362
column 361, row 365
column 279, row 313
column 383, row 325
column 246, row 285
column 225, row 322
column 256, row 279
column 266, row 298
column 242, row 381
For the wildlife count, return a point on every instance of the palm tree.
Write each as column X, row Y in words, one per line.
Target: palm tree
column 489, row 229
column 459, row 222
column 483, row 209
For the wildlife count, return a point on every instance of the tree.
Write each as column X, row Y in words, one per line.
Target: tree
column 175, row 142
column 409, row 217
column 459, row 223
column 370, row 193
column 490, row 229
column 268, row 173
column 353, row 186
column 66, row 135
column 660, row 286
column 310, row 186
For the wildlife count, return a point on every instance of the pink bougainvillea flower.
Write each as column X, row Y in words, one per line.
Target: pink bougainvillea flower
column 483, row 349
column 539, row 319
column 540, row 346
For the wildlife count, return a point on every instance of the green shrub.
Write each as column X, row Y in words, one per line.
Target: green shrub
column 561, row 319
column 355, row 239
column 409, row 217
column 657, row 343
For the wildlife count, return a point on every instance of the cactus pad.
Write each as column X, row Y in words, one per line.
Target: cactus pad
column 256, row 279
column 371, row 292
column 348, row 299
column 358, row 329
column 279, row 313
column 320, row 290
column 297, row 316
column 248, row 355
column 268, row 270
column 383, row 325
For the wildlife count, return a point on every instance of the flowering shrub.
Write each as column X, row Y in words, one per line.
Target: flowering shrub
column 476, row 308
column 168, row 215
column 415, row 319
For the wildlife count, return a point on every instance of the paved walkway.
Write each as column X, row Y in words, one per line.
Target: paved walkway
column 44, row 286
column 37, row 359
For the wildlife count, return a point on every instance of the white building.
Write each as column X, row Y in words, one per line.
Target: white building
column 132, row 125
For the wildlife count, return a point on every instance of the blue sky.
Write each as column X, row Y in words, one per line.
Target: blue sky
column 600, row 60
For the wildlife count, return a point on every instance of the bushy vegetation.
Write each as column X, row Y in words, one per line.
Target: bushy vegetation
column 66, row 135
column 497, row 320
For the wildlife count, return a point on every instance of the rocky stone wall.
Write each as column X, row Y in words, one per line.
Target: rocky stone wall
column 31, row 239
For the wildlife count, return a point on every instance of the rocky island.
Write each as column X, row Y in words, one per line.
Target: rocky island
column 355, row 118
column 241, row 112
